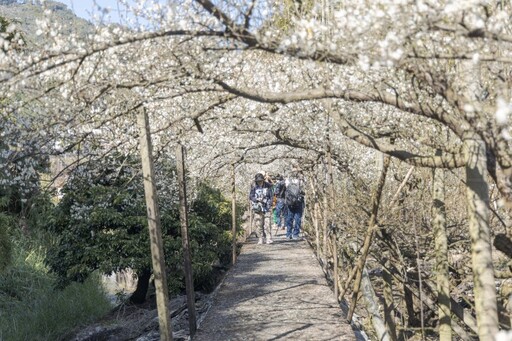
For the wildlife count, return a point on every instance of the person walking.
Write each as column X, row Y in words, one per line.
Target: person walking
column 280, row 209
column 294, row 198
column 261, row 202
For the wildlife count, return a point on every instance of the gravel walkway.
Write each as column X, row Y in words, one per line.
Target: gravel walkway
column 275, row 292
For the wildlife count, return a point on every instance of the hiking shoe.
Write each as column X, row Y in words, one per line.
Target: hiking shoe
column 289, row 237
column 296, row 237
column 260, row 241
column 269, row 241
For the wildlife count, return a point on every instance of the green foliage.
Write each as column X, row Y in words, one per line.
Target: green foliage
column 5, row 241
column 5, row 244
column 31, row 308
column 210, row 236
column 211, row 205
column 101, row 225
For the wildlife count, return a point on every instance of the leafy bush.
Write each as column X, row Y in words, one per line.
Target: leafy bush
column 101, row 224
column 5, row 242
column 210, row 236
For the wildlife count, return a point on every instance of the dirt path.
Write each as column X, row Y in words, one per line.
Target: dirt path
column 275, row 292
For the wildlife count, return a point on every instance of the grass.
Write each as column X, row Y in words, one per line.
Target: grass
column 30, row 306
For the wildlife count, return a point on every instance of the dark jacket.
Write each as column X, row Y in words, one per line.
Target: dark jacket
column 262, row 195
column 280, row 189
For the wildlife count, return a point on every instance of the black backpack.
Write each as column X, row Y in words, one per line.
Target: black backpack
column 293, row 194
column 280, row 190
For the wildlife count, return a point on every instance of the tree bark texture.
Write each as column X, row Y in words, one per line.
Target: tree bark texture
column 478, row 216
column 389, row 304
column 139, row 295
column 369, row 236
column 441, row 246
column 504, row 244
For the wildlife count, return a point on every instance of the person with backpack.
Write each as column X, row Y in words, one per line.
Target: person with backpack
column 261, row 203
column 280, row 209
column 294, row 199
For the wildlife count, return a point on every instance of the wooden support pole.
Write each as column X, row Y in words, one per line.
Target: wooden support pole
column 189, row 276
column 332, row 214
column 233, row 212
column 154, row 226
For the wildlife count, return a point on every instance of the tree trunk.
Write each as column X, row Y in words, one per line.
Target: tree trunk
column 441, row 245
column 389, row 304
column 478, row 216
column 369, row 236
column 140, row 293
column 503, row 243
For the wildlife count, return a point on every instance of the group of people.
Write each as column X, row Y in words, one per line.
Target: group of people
column 279, row 199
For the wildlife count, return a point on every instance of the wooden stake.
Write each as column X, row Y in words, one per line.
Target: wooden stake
column 185, row 240
column 233, row 211
column 154, row 226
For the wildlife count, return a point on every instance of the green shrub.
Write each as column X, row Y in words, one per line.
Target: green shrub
column 101, row 224
column 5, row 243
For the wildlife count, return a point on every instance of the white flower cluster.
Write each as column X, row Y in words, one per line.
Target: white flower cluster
column 503, row 117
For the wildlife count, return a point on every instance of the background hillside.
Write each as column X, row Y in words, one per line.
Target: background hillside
column 26, row 13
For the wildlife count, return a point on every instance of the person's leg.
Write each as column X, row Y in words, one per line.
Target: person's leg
column 289, row 222
column 285, row 214
column 259, row 220
column 297, row 217
column 280, row 217
column 267, row 226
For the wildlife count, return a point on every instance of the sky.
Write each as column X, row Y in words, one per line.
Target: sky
column 88, row 9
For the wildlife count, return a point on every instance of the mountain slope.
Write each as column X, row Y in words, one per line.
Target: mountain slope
column 25, row 16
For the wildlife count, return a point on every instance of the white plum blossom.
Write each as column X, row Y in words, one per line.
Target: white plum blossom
column 503, row 111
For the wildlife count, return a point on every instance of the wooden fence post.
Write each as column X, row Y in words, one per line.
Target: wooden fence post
column 233, row 210
column 154, row 226
column 185, row 240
